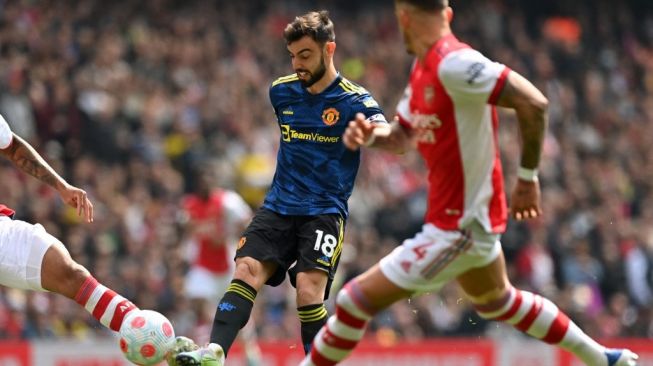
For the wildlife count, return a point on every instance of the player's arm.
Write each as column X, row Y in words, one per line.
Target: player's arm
column 530, row 106
column 387, row 136
column 27, row 159
column 474, row 79
column 23, row 155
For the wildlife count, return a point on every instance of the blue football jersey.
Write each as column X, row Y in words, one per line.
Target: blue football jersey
column 315, row 171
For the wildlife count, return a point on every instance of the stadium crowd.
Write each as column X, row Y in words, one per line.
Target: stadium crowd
column 127, row 98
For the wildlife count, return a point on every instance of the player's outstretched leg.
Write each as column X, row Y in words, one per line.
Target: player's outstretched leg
column 356, row 304
column 540, row 318
column 61, row 274
column 311, row 289
column 495, row 299
column 231, row 315
column 232, row 312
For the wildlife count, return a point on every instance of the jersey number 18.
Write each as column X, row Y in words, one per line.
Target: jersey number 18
column 327, row 242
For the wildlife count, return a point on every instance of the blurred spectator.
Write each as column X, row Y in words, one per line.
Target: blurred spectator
column 214, row 219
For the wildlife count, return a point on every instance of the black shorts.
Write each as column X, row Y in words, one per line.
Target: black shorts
column 308, row 242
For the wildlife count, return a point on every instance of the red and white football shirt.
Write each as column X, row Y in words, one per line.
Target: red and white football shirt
column 224, row 210
column 449, row 103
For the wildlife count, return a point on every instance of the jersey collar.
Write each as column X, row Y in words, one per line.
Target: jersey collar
column 331, row 86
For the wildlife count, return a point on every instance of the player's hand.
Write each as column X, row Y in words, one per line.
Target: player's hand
column 358, row 132
column 525, row 200
column 78, row 199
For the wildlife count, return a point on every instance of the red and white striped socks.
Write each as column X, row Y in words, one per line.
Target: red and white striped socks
column 104, row 304
column 343, row 331
column 528, row 312
column 541, row 319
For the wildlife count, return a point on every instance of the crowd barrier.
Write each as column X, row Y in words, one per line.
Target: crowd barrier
column 433, row 352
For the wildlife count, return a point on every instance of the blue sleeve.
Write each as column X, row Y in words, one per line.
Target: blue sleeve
column 367, row 105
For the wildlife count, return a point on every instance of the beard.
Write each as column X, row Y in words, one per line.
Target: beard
column 315, row 76
column 407, row 44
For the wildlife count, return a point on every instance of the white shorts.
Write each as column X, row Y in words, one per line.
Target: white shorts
column 201, row 283
column 434, row 257
column 22, row 248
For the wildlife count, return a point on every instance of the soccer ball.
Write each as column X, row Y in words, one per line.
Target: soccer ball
column 146, row 337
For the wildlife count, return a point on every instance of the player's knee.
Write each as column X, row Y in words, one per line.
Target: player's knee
column 311, row 287
column 250, row 271
column 310, row 294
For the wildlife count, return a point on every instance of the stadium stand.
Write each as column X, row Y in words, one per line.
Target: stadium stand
column 127, row 97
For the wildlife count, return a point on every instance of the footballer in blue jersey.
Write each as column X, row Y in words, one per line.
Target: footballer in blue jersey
column 315, row 171
column 299, row 230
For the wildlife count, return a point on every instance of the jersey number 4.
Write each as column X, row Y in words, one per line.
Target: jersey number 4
column 420, row 250
column 327, row 243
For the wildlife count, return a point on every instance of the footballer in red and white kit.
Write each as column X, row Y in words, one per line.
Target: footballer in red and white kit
column 20, row 264
column 449, row 104
column 448, row 113
column 32, row 259
column 221, row 215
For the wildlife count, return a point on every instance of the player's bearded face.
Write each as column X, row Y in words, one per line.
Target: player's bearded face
column 310, row 77
column 407, row 42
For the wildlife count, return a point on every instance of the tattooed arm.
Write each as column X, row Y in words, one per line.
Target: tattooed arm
column 29, row 161
column 531, row 108
column 23, row 155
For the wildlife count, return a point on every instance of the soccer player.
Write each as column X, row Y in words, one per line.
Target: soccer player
column 32, row 259
column 303, row 215
column 448, row 111
column 216, row 218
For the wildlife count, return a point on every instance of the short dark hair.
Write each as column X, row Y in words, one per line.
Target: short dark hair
column 315, row 24
column 426, row 5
